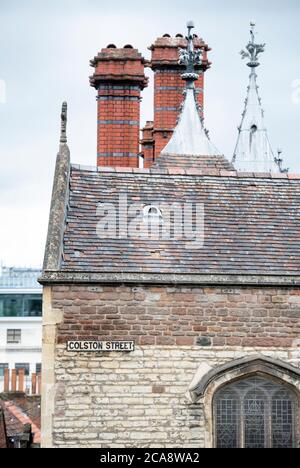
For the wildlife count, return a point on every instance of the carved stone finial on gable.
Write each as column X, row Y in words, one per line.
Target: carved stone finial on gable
column 64, row 118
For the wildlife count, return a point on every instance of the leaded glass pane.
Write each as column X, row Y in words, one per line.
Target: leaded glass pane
column 282, row 420
column 254, row 419
column 227, row 421
column 255, row 413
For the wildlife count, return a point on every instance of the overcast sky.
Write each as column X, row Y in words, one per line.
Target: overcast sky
column 44, row 59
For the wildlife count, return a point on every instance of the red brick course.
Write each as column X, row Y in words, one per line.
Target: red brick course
column 180, row 316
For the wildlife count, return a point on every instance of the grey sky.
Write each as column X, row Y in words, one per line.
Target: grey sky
column 44, row 59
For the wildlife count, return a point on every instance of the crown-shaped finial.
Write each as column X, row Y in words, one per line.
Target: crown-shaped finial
column 190, row 58
column 253, row 49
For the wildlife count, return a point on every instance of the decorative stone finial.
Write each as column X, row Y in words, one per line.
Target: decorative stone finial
column 190, row 58
column 252, row 49
column 64, row 118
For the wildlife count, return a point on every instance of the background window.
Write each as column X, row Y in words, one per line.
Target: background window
column 22, row 365
column 2, row 367
column 13, row 337
column 255, row 413
column 20, row 305
column 38, row 368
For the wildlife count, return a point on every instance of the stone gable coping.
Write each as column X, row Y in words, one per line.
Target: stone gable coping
column 58, row 210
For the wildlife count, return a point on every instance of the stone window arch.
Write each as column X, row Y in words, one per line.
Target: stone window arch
column 251, row 394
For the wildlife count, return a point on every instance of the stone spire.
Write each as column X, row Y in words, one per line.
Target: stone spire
column 190, row 137
column 253, row 152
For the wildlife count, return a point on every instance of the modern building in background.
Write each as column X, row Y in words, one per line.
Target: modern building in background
column 20, row 321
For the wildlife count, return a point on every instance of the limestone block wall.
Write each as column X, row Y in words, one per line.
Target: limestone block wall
column 138, row 399
column 142, row 399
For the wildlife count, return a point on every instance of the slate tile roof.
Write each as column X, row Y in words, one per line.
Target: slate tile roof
column 18, row 412
column 252, row 222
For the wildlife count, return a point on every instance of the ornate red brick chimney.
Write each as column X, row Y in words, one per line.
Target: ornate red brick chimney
column 168, row 86
column 119, row 78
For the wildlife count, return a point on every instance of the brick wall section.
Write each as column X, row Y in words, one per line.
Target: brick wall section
column 119, row 78
column 137, row 399
column 181, row 316
column 168, row 85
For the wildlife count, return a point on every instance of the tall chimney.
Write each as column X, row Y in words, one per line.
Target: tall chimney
column 168, row 85
column 119, row 79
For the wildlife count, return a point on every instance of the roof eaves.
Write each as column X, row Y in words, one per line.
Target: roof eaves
column 86, row 277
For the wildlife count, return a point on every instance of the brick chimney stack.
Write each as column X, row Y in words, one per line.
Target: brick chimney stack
column 119, row 79
column 168, row 88
column 147, row 144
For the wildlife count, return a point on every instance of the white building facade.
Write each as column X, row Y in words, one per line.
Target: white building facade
column 20, row 321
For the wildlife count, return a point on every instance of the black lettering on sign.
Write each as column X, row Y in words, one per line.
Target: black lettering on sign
column 94, row 346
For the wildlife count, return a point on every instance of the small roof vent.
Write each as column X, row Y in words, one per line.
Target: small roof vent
column 152, row 214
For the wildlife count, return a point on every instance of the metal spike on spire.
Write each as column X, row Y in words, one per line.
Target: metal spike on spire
column 253, row 152
column 64, row 119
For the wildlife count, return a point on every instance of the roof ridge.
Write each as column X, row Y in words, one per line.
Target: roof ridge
column 180, row 171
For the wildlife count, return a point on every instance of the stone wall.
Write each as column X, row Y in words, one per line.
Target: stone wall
column 141, row 399
column 181, row 316
column 138, row 399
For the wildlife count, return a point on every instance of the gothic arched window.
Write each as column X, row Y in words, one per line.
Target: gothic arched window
column 255, row 413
